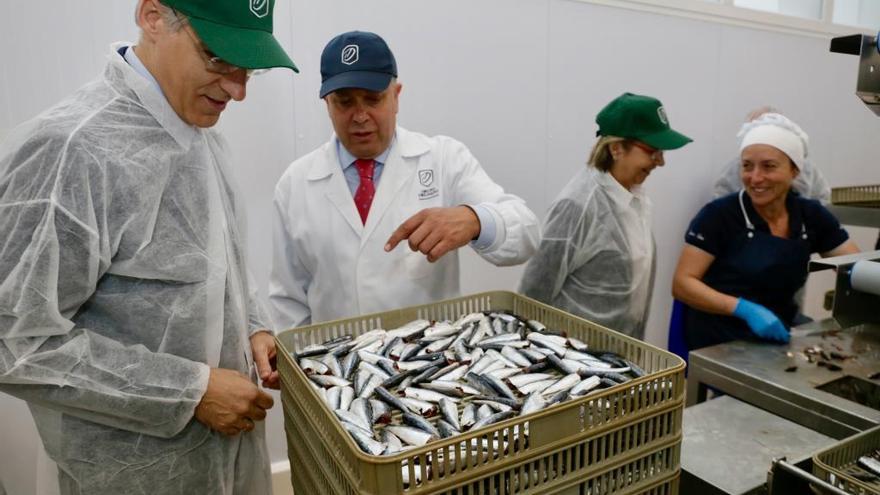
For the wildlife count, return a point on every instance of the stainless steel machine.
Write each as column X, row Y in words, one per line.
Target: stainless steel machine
column 827, row 378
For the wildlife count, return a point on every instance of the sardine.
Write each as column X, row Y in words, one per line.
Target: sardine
column 468, row 415
column 312, row 350
column 446, row 430
column 354, row 419
column 500, row 387
column 427, row 395
column 449, row 411
column 515, row 356
column 496, row 406
column 330, row 381
column 419, row 422
column 310, row 366
column 349, row 364
column 585, row 386
column 361, row 408
column 368, row 388
column 333, row 396
column 390, row 399
column 381, row 412
column 393, row 444
column 422, row 407
column 373, row 370
column 533, row 387
column 503, row 373
column 494, row 418
column 441, row 329
column 577, row 344
column 534, row 402
column 525, row 379
column 411, row 436
column 411, row 330
column 365, row 441
column 450, row 388
column 564, row 383
column 483, row 411
column 346, row 396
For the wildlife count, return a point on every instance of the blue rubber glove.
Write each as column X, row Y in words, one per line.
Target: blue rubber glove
column 761, row 320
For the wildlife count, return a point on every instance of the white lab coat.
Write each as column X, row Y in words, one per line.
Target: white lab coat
column 328, row 265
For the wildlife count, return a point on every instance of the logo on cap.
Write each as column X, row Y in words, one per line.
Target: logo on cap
column 350, row 54
column 661, row 114
column 260, row 8
column 426, row 177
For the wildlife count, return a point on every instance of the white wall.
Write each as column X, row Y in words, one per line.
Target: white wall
column 519, row 81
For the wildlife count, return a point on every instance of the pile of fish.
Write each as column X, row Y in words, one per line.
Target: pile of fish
column 823, row 358
column 871, row 464
column 402, row 388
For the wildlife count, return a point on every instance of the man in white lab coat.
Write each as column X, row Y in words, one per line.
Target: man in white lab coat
column 342, row 210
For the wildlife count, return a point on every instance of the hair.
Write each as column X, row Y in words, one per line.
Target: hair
column 172, row 20
column 600, row 156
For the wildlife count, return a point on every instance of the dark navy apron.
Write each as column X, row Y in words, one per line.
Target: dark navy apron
column 760, row 267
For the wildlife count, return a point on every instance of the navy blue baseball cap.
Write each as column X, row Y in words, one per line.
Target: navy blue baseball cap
column 356, row 59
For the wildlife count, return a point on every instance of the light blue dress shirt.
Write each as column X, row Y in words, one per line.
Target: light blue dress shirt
column 346, row 161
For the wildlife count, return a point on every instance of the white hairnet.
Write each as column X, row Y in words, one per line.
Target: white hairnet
column 809, row 183
column 122, row 282
column 778, row 131
column 587, row 264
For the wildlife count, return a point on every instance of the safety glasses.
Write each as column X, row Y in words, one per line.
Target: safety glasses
column 655, row 154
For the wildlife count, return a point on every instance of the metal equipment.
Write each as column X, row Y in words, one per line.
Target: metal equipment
column 823, row 379
column 866, row 47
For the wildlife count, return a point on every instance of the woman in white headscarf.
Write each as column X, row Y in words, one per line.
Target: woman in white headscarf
column 809, row 182
column 747, row 253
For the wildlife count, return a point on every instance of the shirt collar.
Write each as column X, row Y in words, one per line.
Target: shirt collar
column 346, row 159
column 122, row 76
column 616, row 191
column 131, row 57
column 795, row 220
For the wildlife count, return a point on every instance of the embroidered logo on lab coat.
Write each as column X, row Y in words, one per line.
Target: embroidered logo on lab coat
column 426, row 179
column 260, row 8
column 350, row 54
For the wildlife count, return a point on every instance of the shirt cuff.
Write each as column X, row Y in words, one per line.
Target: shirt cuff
column 487, row 228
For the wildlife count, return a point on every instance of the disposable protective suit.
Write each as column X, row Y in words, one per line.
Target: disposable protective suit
column 123, row 282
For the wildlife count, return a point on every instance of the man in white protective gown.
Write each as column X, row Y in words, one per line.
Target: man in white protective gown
column 342, row 210
column 126, row 318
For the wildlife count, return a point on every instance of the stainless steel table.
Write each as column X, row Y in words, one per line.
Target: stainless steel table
column 755, row 373
column 728, row 446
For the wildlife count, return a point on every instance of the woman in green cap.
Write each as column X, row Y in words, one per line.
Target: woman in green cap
column 596, row 258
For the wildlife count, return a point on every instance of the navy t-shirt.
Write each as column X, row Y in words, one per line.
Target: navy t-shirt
column 719, row 229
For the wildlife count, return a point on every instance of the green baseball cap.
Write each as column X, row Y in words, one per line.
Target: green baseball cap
column 642, row 118
column 238, row 31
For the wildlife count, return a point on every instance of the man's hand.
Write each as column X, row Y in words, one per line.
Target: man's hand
column 263, row 347
column 436, row 231
column 232, row 403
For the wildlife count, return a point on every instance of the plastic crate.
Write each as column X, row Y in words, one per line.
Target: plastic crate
column 837, row 464
column 623, row 440
column 866, row 196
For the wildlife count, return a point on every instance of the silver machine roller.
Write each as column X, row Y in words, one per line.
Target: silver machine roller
column 827, row 379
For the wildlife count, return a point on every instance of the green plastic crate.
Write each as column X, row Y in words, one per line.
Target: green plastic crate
column 623, row 440
column 837, row 464
column 866, row 196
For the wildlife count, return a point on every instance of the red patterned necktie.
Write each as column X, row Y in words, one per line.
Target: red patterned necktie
column 363, row 197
